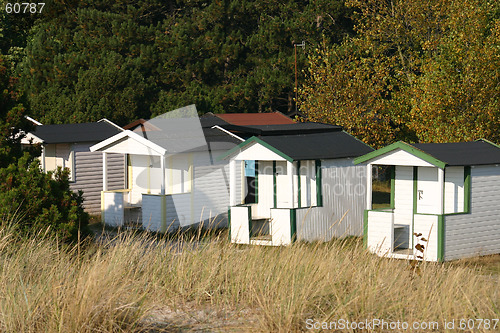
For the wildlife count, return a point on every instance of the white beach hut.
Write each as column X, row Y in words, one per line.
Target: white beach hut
column 173, row 177
column 306, row 185
column 449, row 193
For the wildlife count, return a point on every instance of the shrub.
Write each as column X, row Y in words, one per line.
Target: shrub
column 41, row 200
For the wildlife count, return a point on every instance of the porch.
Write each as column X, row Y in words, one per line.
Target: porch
column 421, row 198
column 154, row 212
column 263, row 210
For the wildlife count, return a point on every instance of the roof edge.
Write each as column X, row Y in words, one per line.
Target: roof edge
column 128, row 133
column 259, row 141
column 107, row 121
column 403, row 146
column 488, row 141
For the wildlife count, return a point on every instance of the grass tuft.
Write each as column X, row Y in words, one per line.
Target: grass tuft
column 135, row 282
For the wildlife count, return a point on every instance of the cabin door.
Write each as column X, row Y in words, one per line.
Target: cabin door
column 282, row 186
column 403, row 207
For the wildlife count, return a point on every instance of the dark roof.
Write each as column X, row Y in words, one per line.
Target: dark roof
column 244, row 119
column 72, row 133
column 285, row 129
column 337, row 144
column 209, row 120
column 462, row 153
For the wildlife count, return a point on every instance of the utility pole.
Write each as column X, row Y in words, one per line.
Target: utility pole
column 303, row 45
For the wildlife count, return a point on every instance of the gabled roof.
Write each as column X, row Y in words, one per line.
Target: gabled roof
column 481, row 152
column 309, row 146
column 73, row 133
column 179, row 135
column 128, row 134
column 244, row 119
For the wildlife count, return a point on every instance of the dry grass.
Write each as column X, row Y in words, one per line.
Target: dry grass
column 141, row 283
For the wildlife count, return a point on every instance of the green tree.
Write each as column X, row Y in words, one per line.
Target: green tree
column 128, row 59
column 31, row 198
column 418, row 71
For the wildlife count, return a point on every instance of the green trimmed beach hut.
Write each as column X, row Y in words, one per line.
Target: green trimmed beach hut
column 306, row 186
column 447, row 193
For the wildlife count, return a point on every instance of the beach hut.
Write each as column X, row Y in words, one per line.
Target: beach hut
column 306, row 185
column 68, row 146
column 445, row 193
column 173, row 177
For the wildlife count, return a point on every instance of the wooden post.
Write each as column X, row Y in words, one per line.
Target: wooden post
column 43, row 158
column 441, row 191
column 232, row 183
column 162, row 168
column 369, row 187
column 104, row 171
column 290, row 172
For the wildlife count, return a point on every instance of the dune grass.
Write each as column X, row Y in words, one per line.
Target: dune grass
column 137, row 282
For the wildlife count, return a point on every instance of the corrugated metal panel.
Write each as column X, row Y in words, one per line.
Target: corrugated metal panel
column 344, row 192
column 211, row 188
column 88, row 176
column 477, row 233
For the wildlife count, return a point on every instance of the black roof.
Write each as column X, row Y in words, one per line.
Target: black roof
column 328, row 145
column 72, row 133
column 209, row 120
column 462, row 153
column 282, row 129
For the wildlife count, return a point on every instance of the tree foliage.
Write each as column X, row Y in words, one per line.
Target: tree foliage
column 418, row 71
column 129, row 59
column 29, row 197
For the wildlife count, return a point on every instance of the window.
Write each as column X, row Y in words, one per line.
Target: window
column 60, row 155
column 383, row 186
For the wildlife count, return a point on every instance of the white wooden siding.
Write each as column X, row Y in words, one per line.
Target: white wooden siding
column 282, row 185
column 113, row 208
column 152, row 211
column 427, row 225
column 428, row 194
column 211, row 188
column 88, row 175
column 344, row 200
column 477, row 233
column 380, row 232
column 265, row 189
column 240, row 225
column 454, row 190
column 179, row 210
column 403, row 195
column 256, row 149
column 280, row 227
column 140, row 177
column 400, row 157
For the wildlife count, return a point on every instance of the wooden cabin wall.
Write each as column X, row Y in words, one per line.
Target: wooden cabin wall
column 477, row 233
